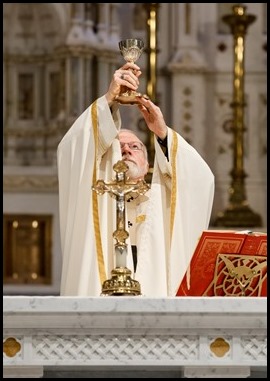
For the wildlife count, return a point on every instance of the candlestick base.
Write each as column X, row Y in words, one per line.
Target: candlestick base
column 121, row 284
column 238, row 216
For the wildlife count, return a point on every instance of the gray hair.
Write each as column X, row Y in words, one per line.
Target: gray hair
column 134, row 133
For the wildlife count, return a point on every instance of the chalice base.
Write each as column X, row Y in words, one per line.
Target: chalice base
column 121, row 284
column 130, row 98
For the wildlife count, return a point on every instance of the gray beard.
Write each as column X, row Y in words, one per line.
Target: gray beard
column 134, row 172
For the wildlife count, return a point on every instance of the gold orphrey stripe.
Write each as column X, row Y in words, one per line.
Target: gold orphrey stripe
column 174, row 184
column 100, row 258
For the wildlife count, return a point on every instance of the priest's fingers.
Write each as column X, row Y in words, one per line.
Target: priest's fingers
column 127, row 78
column 153, row 117
column 130, row 66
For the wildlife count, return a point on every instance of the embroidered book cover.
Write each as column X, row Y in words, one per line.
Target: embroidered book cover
column 228, row 263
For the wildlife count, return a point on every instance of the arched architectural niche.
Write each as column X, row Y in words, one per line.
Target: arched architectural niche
column 33, row 29
column 32, row 79
column 51, row 51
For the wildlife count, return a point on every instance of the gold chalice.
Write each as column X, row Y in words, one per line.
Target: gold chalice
column 131, row 49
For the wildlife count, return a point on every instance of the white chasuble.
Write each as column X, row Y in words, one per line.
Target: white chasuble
column 169, row 218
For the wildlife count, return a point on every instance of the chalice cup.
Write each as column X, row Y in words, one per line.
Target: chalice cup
column 131, row 49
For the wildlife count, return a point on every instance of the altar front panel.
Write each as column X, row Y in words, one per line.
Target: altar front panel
column 199, row 337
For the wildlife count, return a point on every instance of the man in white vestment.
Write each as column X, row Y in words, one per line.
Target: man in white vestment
column 164, row 224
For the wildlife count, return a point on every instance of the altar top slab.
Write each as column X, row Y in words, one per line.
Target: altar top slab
column 135, row 304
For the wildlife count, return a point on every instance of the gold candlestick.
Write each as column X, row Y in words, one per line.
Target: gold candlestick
column 238, row 213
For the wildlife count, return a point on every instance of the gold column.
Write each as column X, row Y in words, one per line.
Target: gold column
column 151, row 50
column 152, row 10
column 238, row 213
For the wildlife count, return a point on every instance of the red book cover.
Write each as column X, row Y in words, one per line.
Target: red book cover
column 208, row 262
column 255, row 243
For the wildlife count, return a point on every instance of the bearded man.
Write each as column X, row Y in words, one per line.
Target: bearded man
column 164, row 224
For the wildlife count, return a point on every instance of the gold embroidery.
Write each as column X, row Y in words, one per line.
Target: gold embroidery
column 166, row 176
column 101, row 265
column 174, row 184
column 140, row 218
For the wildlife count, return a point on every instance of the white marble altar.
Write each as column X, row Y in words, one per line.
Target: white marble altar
column 195, row 337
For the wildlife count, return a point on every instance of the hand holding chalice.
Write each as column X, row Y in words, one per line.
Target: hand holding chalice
column 131, row 49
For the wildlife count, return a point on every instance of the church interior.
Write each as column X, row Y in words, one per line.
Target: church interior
column 59, row 57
